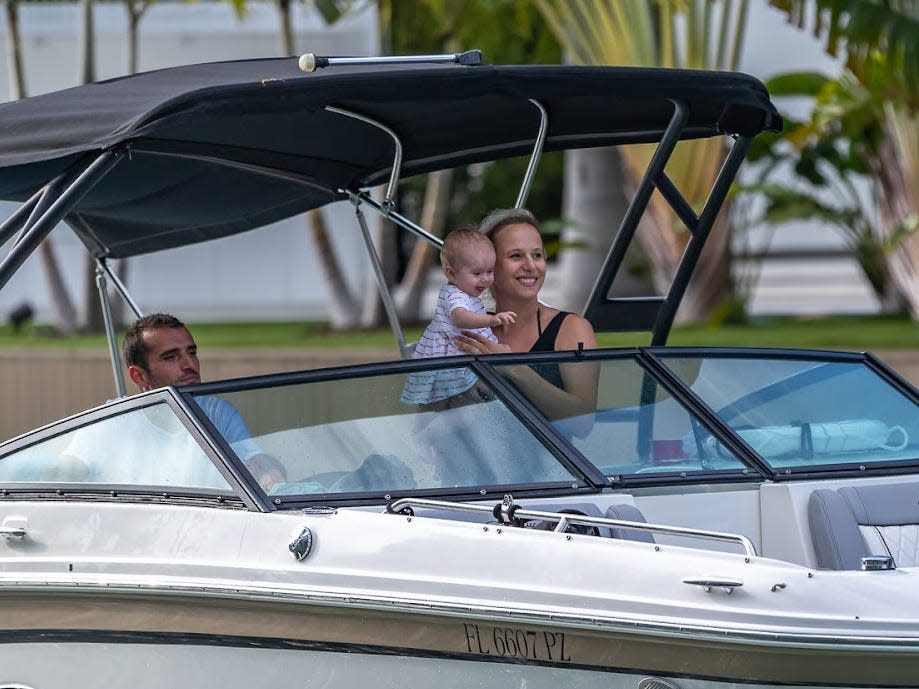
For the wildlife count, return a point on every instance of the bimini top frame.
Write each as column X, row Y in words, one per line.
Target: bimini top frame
column 206, row 151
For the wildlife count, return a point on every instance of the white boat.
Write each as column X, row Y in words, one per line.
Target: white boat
column 723, row 518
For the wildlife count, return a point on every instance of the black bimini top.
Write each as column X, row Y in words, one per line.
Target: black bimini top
column 216, row 149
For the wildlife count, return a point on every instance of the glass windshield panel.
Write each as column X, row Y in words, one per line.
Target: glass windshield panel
column 625, row 423
column 801, row 413
column 142, row 447
column 371, row 434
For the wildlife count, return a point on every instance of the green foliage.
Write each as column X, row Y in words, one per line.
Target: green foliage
column 863, row 31
column 832, row 156
column 506, row 31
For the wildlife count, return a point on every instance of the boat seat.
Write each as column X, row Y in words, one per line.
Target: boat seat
column 629, row 513
column 855, row 522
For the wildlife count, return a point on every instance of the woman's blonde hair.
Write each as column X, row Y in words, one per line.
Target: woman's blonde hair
column 502, row 217
column 456, row 241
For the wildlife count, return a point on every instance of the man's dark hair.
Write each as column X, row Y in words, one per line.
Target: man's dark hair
column 133, row 348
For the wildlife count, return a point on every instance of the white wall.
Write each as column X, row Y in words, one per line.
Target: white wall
column 789, row 286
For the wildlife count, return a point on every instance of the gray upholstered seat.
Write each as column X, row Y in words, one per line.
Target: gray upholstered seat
column 854, row 522
column 629, row 513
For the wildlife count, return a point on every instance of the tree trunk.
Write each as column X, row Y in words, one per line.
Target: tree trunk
column 93, row 321
column 433, row 217
column 343, row 309
column 593, row 205
column 64, row 311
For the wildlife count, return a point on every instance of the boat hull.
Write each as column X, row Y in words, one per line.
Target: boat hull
column 76, row 640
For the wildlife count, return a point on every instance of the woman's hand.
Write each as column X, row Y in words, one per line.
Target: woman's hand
column 473, row 343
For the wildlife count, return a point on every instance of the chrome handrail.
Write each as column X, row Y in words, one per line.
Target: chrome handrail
column 508, row 511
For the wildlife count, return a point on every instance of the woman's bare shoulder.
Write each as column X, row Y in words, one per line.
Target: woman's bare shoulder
column 576, row 329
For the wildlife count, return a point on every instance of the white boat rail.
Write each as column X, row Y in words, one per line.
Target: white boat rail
column 509, row 513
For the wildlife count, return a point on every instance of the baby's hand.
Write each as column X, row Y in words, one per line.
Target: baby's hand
column 504, row 318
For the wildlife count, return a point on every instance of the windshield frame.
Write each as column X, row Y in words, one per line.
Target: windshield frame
column 239, row 494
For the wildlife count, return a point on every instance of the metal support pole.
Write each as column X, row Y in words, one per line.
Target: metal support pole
column 101, row 271
column 62, row 205
column 388, row 201
column 388, row 304
column 120, row 288
column 397, row 219
column 535, row 156
column 19, row 217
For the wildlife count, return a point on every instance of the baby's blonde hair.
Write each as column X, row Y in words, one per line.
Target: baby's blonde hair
column 458, row 240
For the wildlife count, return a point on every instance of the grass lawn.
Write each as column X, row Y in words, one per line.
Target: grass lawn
column 837, row 332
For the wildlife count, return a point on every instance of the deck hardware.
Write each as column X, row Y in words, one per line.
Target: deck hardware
column 777, row 587
column 310, row 62
column 318, row 509
column 302, row 543
column 522, row 515
column 709, row 583
column 657, row 683
column 877, row 563
column 17, row 532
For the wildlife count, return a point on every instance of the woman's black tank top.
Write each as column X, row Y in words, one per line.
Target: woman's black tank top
column 546, row 343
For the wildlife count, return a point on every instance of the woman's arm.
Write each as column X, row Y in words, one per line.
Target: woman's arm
column 577, row 397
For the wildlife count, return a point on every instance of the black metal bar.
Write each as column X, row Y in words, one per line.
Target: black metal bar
column 19, row 217
column 635, row 211
column 694, row 404
column 62, row 205
column 677, row 201
column 697, row 241
column 399, row 219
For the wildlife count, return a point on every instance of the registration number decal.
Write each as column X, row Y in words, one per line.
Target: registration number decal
column 510, row 642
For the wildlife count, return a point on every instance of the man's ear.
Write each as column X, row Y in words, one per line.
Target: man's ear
column 138, row 376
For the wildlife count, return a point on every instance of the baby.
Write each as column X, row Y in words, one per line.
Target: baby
column 468, row 260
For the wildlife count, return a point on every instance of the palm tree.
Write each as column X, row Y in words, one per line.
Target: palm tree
column 65, row 311
column 880, row 42
column 700, row 34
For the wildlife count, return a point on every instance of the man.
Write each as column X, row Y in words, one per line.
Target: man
column 159, row 351
column 149, row 446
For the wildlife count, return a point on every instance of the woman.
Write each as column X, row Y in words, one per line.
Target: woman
column 560, row 391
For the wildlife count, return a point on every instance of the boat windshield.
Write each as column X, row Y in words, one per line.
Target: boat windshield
column 146, row 446
column 370, row 434
column 635, row 426
column 796, row 414
column 802, row 414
